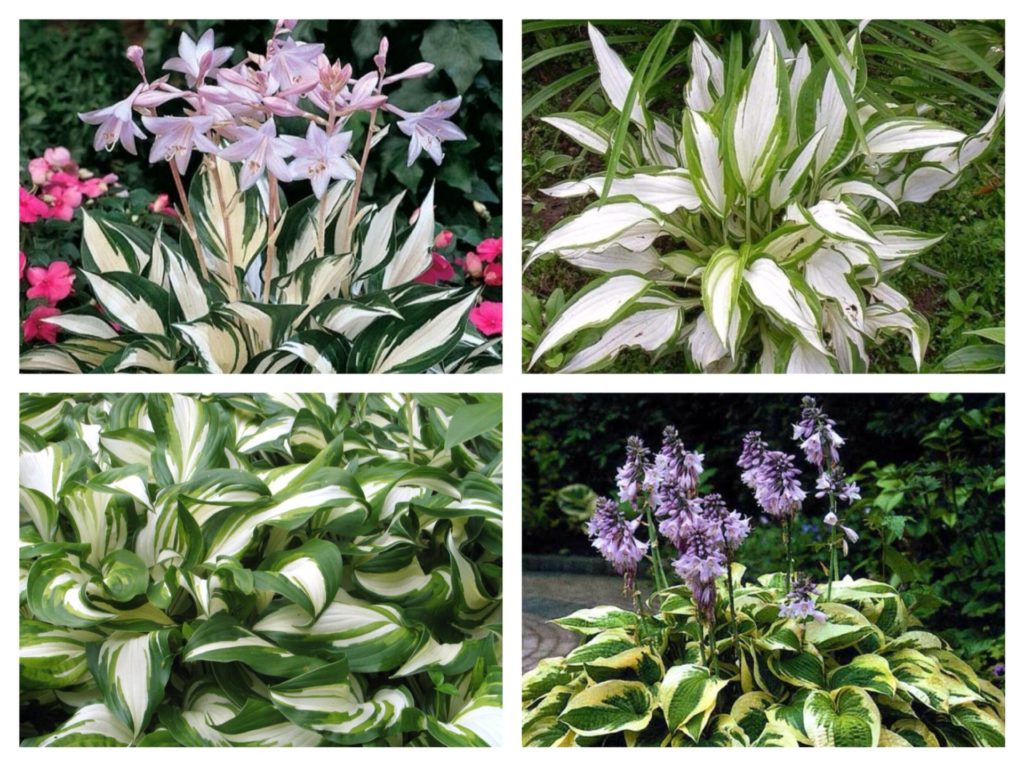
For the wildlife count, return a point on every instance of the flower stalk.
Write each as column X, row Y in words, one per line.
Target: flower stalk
column 190, row 224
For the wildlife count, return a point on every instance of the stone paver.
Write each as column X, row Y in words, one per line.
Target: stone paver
column 554, row 595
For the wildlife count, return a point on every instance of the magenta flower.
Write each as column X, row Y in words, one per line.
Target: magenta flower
column 320, row 158
column 439, row 270
column 492, row 275
column 21, row 264
column 196, row 59
column 489, row 249
column 52, row 282
column 487, row 317
column 258, row 149
column 33, row 328
column 176, row 137
column 429, row 128
column 30, row 207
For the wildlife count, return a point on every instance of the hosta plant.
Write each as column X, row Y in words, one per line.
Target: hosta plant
column 258, row 281
column 718, row 657
column 260, row 570
column 755, row 227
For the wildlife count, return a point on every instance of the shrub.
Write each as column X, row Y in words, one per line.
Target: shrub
column 775, row 661
column 749, row 230
column 260, row 570
column 323, row 284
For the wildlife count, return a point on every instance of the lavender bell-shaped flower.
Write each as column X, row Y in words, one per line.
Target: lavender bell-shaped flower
column 615, row 537
column 630, row 476
column 702, row 561
column 817, row 435
column 798, row 604
column 777, row 487
column 751, row 457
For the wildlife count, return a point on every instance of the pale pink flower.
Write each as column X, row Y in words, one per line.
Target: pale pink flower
column 443, row 239
column 197, row 59
column 429, row 128
column 473, row 265
column 492, row 274
column 176, row 137
column 294, row 65
column 320, row 158
column 258, row 149
column 116, row 124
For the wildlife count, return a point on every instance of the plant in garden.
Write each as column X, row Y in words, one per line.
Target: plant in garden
column 749, row 230
column 716, row 661
column 327, row 283
column 260, row 570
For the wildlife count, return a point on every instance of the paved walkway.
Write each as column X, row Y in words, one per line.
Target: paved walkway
column 555, row 595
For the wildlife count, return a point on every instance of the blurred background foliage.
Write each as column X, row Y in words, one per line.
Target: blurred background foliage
column 962, row 287
column 68, row 67
column 931, row 471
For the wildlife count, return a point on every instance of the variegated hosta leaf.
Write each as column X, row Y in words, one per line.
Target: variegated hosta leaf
column 276, row 570
column 845, row 717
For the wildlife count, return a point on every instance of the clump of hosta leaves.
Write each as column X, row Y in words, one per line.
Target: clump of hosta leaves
column 257, row 280
column 756, row 228
column 276, row 570
column 869, row 674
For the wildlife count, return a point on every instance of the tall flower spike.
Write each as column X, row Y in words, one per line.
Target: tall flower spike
column 751, row 457
column 615, row 537
column 777, row 487
column 817, row 435
column 798, row 604
column 630, row 476
column 702, row 562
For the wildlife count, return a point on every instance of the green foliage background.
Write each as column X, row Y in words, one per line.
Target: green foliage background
column 70, row 67
column 931, row 471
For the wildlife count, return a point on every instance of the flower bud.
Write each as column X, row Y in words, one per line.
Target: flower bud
column 443, row 240
column 474, row 266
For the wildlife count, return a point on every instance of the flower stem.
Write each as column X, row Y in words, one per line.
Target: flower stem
column 321, row 216
column 370, row 127
column 833, row 559
column 660, row 579
column 271, row 254
column 789, row 555
column 190, row 224
column 732, row 608
column 228, row 244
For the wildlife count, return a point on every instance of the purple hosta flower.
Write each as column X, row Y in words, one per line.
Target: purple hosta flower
column 817, row 435
column 630, row 476
column 615, row 537
column 849, row 534
column 999, row 670
column 798, row 604
column 733, row 526
column 675, row 513
column 176, row 137
column 777, row 489
column 751, row 456
column 422, row 69
column 676, row 465
column 117, row 124
column 197, row 59
column 832, row 482
column 702, row 562
column 294, row 65
column 427, row 129
column 320, row 158
column 258, row 149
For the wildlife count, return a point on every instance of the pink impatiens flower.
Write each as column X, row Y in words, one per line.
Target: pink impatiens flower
column 487, row 317
column 492, row 274
column 473, row 265
column 21, row 264
column 443, row 240
column 439, row 271
column 34, row 328
column 488, row 250
column 51, row 282
column 30, row 207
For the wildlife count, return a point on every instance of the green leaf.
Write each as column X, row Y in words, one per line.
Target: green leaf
column 688, row 692
column 470, row 421
column 844, row 717
column 609, row 707
column 460, row 49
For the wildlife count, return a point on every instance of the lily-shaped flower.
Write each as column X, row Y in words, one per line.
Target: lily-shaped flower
column 258, row 149
column 427, row 129
column 116, row 124
column 196, row 59
column 176, row 137
column 320, row 158
column 294, row 65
